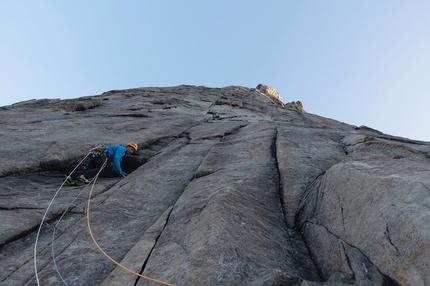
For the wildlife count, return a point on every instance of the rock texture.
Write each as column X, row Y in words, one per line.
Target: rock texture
column 230, row 186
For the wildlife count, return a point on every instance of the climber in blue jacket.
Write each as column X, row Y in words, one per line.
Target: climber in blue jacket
column 98, row 156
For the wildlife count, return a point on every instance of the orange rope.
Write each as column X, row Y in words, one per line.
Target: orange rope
column 101, row 250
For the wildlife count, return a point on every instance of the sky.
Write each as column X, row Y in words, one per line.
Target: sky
column 362, row 62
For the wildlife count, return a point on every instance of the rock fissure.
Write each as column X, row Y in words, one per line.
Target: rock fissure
column 353, row 265
column 134, row 114
column 341, row 211
column 19, row 208
column 349, row 262
column 309, row 195
column 280, row 187
column 308, row 191
column 387, row 234
column 256, row 186
column 152, row 249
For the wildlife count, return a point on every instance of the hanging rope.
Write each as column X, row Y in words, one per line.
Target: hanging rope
column 101, row 250
column 92, row 183
column 43, row 220
column 55, row 229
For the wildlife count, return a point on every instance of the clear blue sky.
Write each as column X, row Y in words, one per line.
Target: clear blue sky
column 357, row 61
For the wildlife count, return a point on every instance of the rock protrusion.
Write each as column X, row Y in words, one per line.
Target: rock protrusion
column 262, row 193
column 270, row 93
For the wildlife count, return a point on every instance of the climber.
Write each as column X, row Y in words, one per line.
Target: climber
column 98, row 156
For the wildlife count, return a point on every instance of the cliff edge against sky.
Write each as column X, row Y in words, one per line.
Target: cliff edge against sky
column 230, row 186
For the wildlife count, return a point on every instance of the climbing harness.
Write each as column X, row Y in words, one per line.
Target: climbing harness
column 55, row 227
column 98, row 150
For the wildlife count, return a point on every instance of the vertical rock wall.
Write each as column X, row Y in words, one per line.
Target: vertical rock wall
column 230, row 187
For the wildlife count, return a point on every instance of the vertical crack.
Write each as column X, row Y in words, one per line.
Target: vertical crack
column 387, row 234
column 153, row 247
column 341, row 212
column 185, row 135
column 304, row 262
column 280, row 187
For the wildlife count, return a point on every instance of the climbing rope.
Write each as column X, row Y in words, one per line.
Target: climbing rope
column 55, row 229
column 43, row 221
column 92, row 183
column 101, row 250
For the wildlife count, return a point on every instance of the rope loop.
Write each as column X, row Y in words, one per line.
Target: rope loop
column 101, row 250
column 92, row 183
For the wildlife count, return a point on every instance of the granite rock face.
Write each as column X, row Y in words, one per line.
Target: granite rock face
column 230, row 186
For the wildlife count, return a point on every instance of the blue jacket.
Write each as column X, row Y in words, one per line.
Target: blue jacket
column 115, row 154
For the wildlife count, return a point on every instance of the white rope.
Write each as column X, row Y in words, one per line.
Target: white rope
column 43, row 220
column 56, row 227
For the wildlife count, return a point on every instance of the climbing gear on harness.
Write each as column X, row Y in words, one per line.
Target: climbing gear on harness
column 98, row 150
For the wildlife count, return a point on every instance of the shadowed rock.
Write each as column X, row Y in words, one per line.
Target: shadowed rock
column 230, row 186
